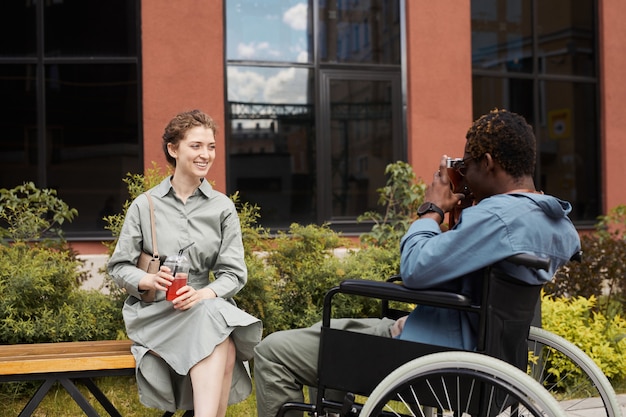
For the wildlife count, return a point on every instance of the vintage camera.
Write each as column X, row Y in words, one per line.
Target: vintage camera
column 457, row 181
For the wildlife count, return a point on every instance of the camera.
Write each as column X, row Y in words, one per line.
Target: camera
column 452, row 162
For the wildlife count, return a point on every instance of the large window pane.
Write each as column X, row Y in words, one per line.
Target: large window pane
column 502, row 35
column 566, row 133
column 269, row 30
column 90, row 28
column 566, row 37
column 18, row 124
column 271, row 142
column 360, row 140
column 360, row 31
column 569, row 147
column 93, row 139
column 17, row 31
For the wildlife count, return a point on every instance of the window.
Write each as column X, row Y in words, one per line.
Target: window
column 539, row 59
column 313, row 122
column 71, row 122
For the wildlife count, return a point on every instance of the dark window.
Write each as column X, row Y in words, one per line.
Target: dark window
column 538, row 59
column 71, row 120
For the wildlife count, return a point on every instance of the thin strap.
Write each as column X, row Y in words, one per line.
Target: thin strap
column 155, row 250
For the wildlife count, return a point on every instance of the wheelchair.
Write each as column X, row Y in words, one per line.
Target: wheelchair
column 415, row 379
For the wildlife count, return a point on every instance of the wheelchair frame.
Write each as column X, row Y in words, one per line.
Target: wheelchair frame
column 335, row 373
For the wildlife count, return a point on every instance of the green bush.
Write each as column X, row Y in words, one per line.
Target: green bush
column 400, row 198
column 602, row 272
column 600, row 337
column 39, row 279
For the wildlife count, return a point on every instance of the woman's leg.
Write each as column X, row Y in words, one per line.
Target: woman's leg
column 208, row 381
column 228, row 377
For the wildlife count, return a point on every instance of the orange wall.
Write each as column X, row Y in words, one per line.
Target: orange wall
column 183, row 69
column 612, row 99
column 439, row 74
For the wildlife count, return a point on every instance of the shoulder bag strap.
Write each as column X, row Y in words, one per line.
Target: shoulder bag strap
column 155, row 250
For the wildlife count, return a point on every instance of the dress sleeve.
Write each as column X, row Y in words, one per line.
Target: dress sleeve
column 230, row 269
column 122, row 264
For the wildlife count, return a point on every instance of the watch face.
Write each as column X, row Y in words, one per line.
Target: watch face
column 424, row 208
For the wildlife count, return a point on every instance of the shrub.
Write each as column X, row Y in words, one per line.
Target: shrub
column 602, row 272
column 600, row 337
column 39, row 280
column 400, row 198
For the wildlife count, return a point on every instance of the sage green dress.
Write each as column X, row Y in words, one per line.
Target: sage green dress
column 168, row 342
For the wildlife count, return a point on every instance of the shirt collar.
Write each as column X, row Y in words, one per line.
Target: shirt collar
column 166, row 185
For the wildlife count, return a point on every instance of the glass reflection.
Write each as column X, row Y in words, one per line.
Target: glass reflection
column 361, row 145
column 18, row 142
column 269, row 30
column 91, row 138
column 566, row 37
column 566, row 134
column 502, row 35
column 360, row 31
column 271, row 142
column 569, row 166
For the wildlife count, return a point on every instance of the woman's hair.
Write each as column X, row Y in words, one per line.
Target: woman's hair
column 178, row 127
column 507, row 138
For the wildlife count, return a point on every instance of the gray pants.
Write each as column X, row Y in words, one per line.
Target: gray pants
column 286, row 361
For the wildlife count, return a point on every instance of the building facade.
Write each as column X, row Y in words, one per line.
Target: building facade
column 313, row 97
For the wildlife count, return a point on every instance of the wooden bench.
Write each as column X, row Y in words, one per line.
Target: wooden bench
column 66, row 362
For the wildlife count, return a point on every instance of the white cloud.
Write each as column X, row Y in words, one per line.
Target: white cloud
column 245, row 85
column 285, row 86
column 296, row 17
column 255, row 50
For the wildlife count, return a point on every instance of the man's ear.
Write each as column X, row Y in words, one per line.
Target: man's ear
column 489, row 162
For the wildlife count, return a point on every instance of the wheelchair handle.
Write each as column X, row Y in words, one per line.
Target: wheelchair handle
column 532, row 261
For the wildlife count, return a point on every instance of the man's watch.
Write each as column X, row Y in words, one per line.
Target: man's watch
column 429, row 207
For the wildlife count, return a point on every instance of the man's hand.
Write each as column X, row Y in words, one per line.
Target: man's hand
column 439, row 192
column 397, row 327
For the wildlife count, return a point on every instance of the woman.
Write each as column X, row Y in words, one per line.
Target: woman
column 189, row 352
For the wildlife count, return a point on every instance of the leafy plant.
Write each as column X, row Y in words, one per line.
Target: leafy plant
column 30, row 213
column 39, row 276
column 400, row 197
column 602, row 271
column 602, row 338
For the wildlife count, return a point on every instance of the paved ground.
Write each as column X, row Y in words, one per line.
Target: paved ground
column 589, row 411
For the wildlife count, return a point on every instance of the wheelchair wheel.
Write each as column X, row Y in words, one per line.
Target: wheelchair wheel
column 581, row 386
column 460, row 384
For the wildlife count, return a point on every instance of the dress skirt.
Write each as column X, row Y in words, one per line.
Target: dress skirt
column 168, row 343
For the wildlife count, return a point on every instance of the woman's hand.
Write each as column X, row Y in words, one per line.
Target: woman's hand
column 189, row 296
column 159, row 281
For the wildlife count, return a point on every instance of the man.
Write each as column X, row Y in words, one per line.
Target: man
column 509, row 217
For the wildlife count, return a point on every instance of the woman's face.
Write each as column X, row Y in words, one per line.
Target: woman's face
column 195, row 153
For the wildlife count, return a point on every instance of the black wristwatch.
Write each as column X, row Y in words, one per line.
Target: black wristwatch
column 429, row 207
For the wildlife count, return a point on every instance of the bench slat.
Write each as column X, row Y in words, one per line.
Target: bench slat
column 65, row 357
column 63, row 347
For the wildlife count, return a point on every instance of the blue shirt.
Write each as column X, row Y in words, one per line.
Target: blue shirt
column 486, row 234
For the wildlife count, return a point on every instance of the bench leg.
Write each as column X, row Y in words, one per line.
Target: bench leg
column 102, row 399
column 78, row 397
column 33, row 403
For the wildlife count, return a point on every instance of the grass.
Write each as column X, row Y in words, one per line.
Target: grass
column 121, row 391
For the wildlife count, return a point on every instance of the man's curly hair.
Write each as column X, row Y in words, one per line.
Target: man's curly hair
column 508, row 138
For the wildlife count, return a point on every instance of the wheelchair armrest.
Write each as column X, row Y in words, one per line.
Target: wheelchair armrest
column 398, row 292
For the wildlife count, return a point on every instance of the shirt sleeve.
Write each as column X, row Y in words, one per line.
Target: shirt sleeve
column 122, row 264
column 230, row 269
column 430, row 258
